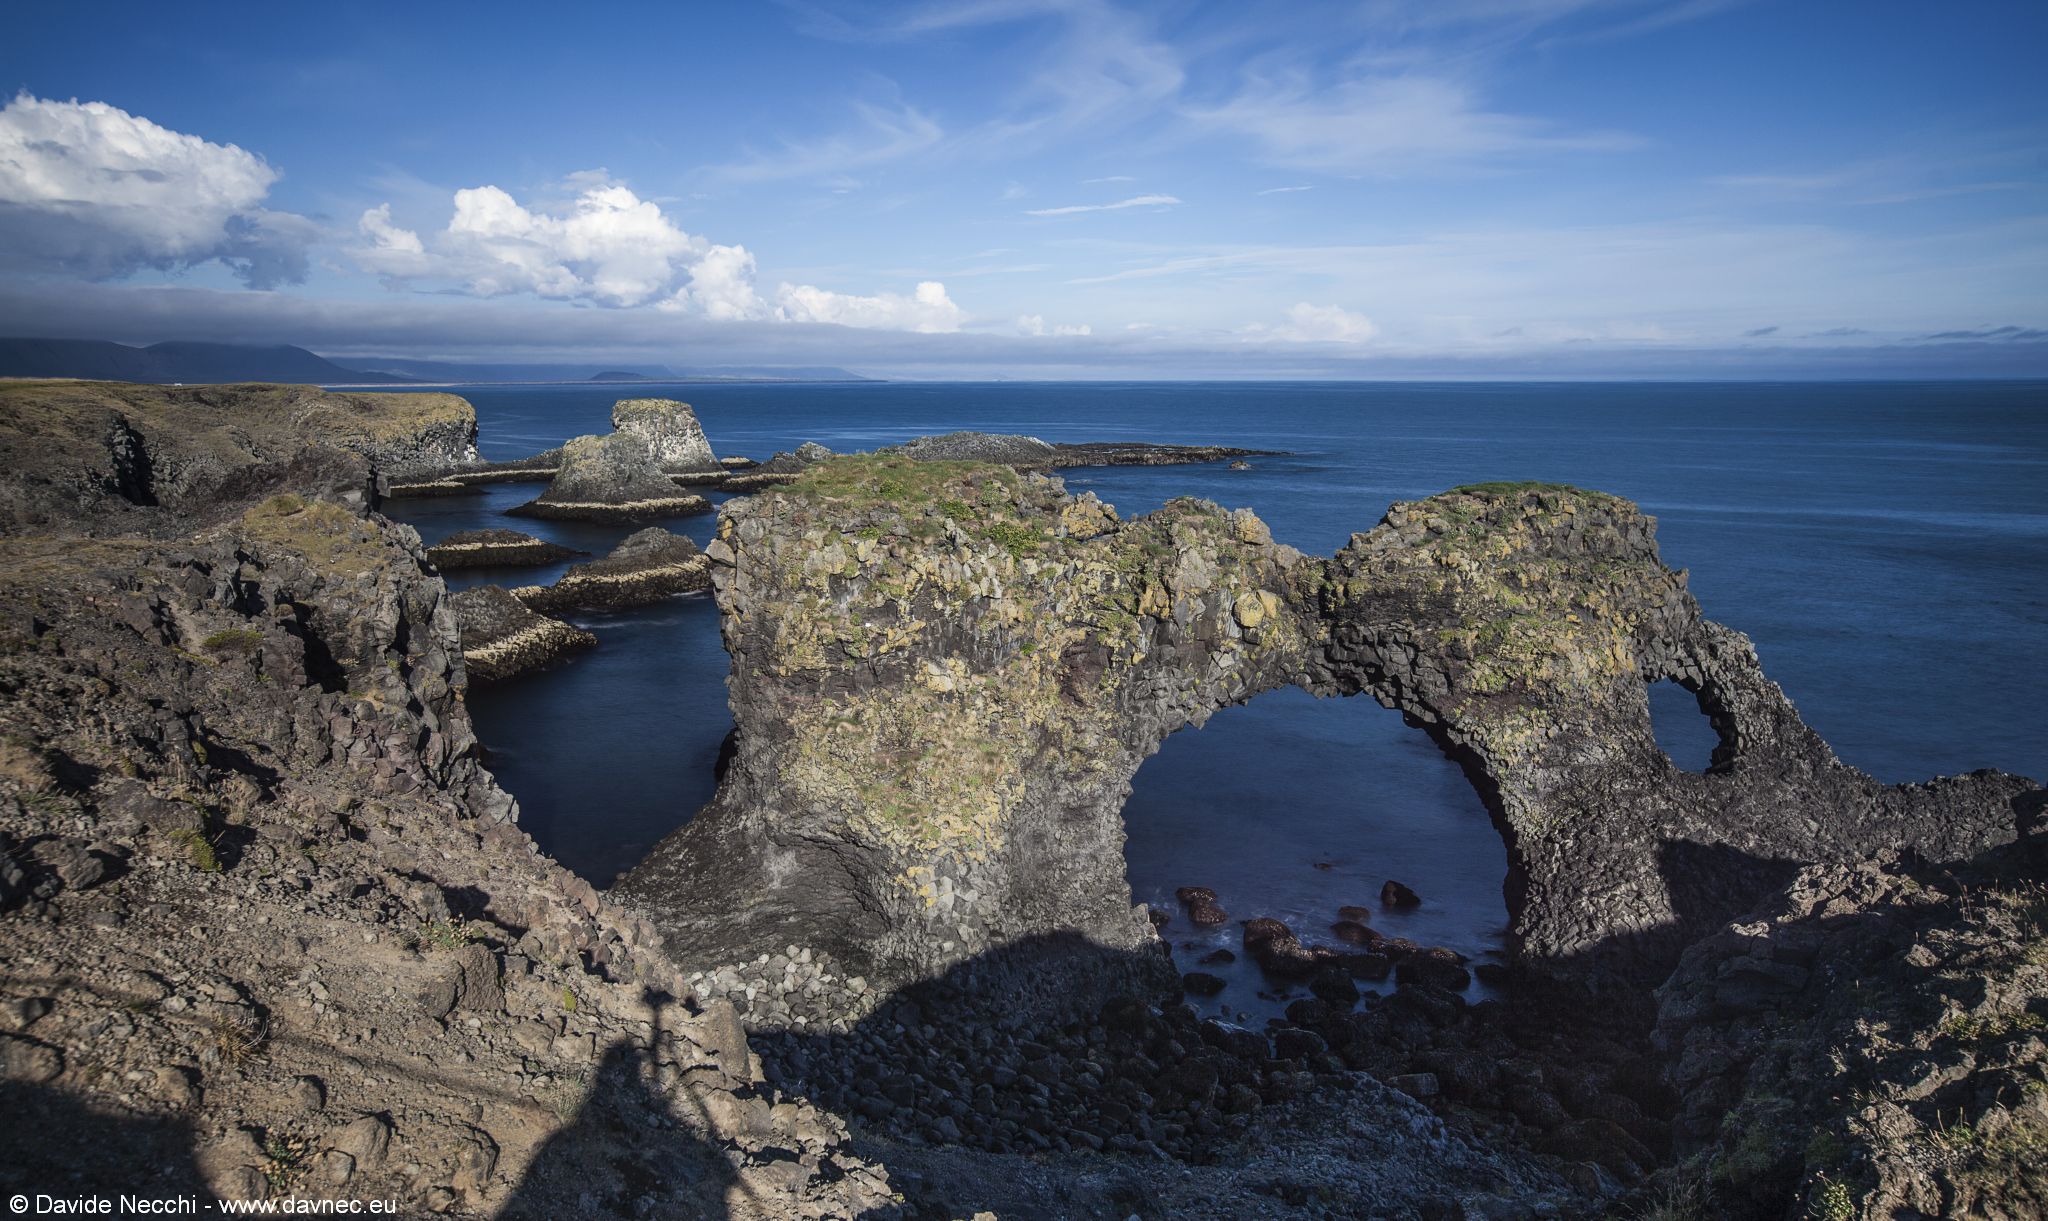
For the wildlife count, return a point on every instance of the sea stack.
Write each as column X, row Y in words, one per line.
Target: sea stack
column 674, row 438
column 649, row 566
column 611, row 479
column 501, row 637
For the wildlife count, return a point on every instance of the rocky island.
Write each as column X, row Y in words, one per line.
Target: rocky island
column 271, row 927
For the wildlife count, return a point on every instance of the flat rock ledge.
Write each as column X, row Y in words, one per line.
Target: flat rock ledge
column 496, row 549
column 501, row 637
column 653, row 508
column 647, row 567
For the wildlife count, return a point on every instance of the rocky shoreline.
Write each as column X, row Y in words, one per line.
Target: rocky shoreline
column 271, row 928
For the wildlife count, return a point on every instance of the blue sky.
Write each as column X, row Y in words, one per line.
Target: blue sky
column 1032, row 188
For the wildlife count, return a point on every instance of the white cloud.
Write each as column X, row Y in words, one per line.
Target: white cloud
column 1136, row 201
column 1319, row 324
column 1089, row 182
column 1034, row 325
column 609, row 246
column 927, row 310
column 90, row 189
column 1284, row 190
column 722, row 284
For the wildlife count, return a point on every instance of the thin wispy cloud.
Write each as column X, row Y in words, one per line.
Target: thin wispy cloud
column 1089, row 182
column 882, row 135
column 1135, row 201
column 1384, row 125
column 1283, row 190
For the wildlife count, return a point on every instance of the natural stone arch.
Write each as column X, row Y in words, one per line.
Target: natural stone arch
column 946, row 674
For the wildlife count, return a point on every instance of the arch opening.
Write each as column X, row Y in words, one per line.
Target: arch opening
column 1684, row 727
column 1292, row 807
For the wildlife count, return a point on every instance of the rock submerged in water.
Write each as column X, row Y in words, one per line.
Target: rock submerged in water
column 496, row 549
column 502, row 637
column 611, row 479
column 648, row 566
column 1395, row 895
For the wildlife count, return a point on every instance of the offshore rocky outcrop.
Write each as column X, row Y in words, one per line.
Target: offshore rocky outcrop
column 98, row 455
column 674, row 437
column 496, row 549
column 612, row 478
column 648, row 566
column 944, row 676
column 267, row 926
column 503, row 637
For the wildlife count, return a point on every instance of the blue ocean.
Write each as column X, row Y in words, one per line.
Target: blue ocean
column 1885, row 545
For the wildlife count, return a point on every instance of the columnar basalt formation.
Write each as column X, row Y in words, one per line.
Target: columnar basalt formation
column 945, row 675
column 648, row 566
column 269, row 927
column 612, row 478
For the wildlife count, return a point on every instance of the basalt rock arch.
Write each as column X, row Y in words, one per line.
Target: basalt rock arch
column 944, row 676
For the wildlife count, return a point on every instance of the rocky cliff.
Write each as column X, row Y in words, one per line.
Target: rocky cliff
column 271, row 929
column 945, row 675
column 81, row 453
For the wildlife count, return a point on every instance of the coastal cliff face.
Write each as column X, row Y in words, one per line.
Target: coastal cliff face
column 80, row 453
column 946, row 674
column 270, row 927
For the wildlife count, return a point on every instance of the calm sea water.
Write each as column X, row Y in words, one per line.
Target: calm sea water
column 1886, row 545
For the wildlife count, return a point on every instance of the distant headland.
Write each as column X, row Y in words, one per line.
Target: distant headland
column 193, row 363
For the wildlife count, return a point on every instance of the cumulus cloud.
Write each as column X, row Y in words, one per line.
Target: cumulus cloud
column 610, row 247
column 1319, row 324
column 927, row 310
column 1035, row 325
column 89, row 189
column 1136, row 201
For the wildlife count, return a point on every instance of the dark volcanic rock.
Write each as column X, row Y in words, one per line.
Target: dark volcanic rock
column 988, row 660
column 246, row 833
column 1395, row 895
column 1139, row 453
column 1767, row 1029
column 1011, row 450
column 495, row 548
column 501, row 637
column 613, row 479
column 647, row 567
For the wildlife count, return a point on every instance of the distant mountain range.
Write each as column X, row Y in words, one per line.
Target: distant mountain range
column 234, row 362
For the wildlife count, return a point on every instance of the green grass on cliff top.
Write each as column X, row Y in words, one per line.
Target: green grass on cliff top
column 39, row 409
column 891, row 479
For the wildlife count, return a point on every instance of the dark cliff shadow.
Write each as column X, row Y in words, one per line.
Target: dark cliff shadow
column 629, row 1150
column 907, row 1080
column 44, row 1128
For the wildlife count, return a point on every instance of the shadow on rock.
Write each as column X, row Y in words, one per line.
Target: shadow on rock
column 629, row 1150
